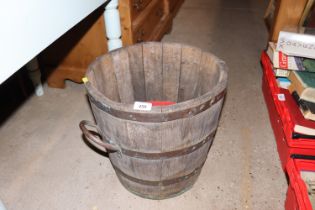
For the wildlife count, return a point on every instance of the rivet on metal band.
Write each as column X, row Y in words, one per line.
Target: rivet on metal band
column 161, row 182
column 164, row 155
column 158, row 117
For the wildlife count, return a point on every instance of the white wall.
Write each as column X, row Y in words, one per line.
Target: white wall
column 29, row 26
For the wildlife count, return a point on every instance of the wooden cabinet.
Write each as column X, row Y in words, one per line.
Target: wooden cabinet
column 283, row 13
column 145, row 25
column 146, row 20
column 141, row 20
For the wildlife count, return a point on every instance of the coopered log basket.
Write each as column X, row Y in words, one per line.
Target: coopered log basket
column 159, row 153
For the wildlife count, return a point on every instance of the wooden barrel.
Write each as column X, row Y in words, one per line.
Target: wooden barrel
column 159, row 152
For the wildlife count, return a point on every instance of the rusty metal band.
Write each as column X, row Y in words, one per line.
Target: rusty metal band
column 170, row 154
column 161, row 182
column 158, row 117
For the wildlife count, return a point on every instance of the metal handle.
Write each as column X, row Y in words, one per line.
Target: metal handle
column 95, row 139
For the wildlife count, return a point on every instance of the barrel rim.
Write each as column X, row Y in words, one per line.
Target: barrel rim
column 178, row 107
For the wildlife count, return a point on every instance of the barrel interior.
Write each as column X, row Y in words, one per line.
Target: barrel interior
column 155, row 72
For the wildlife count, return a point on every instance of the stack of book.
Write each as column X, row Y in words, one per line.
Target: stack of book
column 293, row 59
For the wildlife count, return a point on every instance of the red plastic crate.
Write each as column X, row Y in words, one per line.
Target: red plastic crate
column 297, row 196
column 280, row 118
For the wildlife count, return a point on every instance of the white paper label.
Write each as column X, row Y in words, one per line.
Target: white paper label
column 281, row 97
column 142, row 106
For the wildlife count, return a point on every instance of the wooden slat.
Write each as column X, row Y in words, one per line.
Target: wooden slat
column 137, row 73
column 186, row 132
column 173, row 138
column 171, row 71
column 145, row 138
column 116, row 130
column 123, row 76
column 91, row 76
column 208, row 74
column 96, row 77
column 152, row 62
column 106, row 79
column 189, row 74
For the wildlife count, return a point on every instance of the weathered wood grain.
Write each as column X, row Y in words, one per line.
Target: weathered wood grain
column 189, row 75
column 137, row 73
column 152, row 62
column 123, row 76
column 208, row 75
column 171, row 71
column 105, row 72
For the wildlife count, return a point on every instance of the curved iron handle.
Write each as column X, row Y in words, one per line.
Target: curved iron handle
column 95, row 139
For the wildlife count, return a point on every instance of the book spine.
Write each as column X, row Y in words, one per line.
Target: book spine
column 283, row 61
column 281, row 73
column 296, row 97
column 302, row 45
column 304, row 157
column 296, row 84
